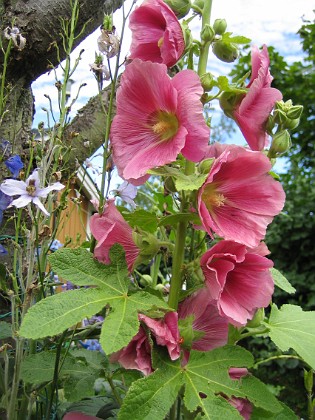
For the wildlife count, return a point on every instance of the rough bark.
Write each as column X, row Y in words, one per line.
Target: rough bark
column 39, row 23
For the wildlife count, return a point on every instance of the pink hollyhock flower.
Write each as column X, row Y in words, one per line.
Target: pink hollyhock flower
column 238, row 279
column 156, row 33
column 244, row 406
column 165, row 331
column 157, row 118
column 239, row 198
column 210, row 330
column 252, row 112
column 111, row 228
column 137, row 354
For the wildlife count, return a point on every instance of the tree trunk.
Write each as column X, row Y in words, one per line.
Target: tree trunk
column 39, row 22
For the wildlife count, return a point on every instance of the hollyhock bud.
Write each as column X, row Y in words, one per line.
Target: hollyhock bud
column 156, row 33
column 238, row 279
column 219, row 26
column 257, row 319
column 207, row 81
column 281, row 142
column 224, row 51
column 180, row 7
column 147, row 244
column 239, row 198
column 207, row 33
column 205, row 166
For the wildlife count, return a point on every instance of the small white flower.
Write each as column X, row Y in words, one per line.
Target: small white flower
column 29, row 191
column 14, row 33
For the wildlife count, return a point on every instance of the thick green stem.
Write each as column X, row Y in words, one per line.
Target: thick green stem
column 178, row 259
column 204, row 50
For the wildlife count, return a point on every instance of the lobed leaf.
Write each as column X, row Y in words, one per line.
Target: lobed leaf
column 82, row 269
column 205, row 382
column 291, row 327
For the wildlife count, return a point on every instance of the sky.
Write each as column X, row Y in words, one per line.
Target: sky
column 271, row 22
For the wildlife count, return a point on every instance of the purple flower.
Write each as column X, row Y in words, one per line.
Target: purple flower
column 127, row 192
column 14, row 164
column 3, row 251
column 55, row 245
column 29, row 191
column 5, row 201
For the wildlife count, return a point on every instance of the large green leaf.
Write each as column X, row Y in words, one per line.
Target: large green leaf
column 290, row 327
column 81, row 268
column 281, row 281
column 206, row 384
column 39, row 368
column 142, row 219
column 53, row 315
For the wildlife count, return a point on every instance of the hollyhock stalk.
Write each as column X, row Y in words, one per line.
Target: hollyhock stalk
column 178, row 255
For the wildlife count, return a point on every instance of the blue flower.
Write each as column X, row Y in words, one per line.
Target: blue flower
column 5, row 201
column 14, row 164
column 3, row 251
column 55, row 245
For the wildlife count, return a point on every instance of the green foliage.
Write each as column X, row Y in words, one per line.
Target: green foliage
column 205, row 384
column 281, row 281
column 78, row 371
column 143, row 219
column 5, row 330
column 290, row 327
column 182, row 182
column 56, row 313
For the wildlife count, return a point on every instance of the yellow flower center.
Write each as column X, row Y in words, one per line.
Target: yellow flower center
column 160, row 42
column 212, row 198
column 164, row 124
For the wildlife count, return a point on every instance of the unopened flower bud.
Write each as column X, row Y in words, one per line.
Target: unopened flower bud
column 207, row 81
column 281, row 142
column 224, row 51
column 145, row 280
column 107, row 23
column 219, row 26
column 180, row 7
column 308, row 380
column 148, row 245
column 205, row 166
column 229, row 101
column 207, row 33
column 199, row 4
column 257, row 320
column 280, row 116
column 295, row 112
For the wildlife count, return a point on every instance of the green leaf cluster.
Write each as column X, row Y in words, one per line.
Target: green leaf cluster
column 204, row 383
column 108, row 287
